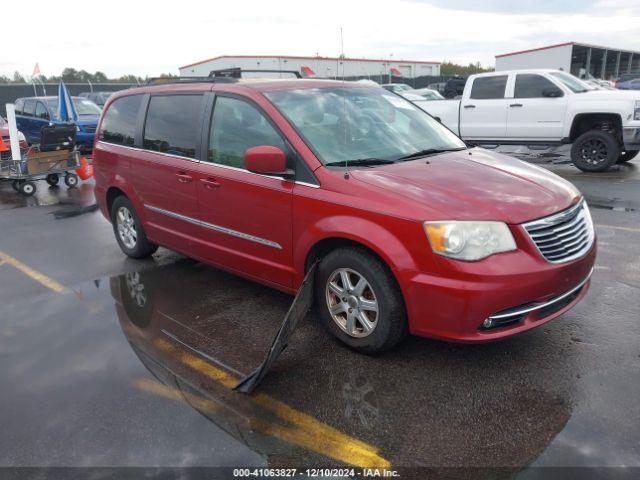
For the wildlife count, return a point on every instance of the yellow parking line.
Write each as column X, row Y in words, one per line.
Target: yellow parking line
column 41, row 278
column 306, row 431
column 614, row 227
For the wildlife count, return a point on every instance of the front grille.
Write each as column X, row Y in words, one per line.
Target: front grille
column 563, row 236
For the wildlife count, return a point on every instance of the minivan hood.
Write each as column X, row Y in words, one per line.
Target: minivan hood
column 475, row 185
column 88, row 120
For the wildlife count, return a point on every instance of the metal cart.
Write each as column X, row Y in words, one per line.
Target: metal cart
column 37, row 165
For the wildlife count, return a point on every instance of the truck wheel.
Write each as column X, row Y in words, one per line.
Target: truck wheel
column 15, row 184
column 595, row 151
column 627, row 156
column 128, row 230
column 359, row 301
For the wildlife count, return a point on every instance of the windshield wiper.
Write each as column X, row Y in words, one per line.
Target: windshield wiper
column 360, row 161
column 429, row 151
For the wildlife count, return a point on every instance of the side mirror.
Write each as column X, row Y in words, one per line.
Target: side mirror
column 551, row 93
column 267, row 160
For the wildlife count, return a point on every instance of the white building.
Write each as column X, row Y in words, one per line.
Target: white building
column 326, row 67
column 576, row 58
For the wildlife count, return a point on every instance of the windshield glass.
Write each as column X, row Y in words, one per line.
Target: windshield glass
column 83, row 106
column 572, row 83
column 355, row 123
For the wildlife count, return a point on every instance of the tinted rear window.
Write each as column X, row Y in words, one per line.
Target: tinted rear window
column 119, row 122
column 485, row 88
column 173, row 124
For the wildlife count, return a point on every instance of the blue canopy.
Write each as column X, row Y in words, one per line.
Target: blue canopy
column 66, row 108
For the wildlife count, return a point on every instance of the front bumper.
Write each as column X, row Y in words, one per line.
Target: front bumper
column 519, row 289
column 631, row 138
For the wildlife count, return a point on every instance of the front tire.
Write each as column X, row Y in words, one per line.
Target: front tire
column 27, row 188
column 128, row 230
column 595, row 151
column 359, row 301
column 627, row 156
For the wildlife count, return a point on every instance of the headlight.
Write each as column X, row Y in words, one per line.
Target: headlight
column 469, row 240
column 636, row 111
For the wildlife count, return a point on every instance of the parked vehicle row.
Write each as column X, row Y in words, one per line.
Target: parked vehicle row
column 414, row 231
column 33, row 113
column 545, row 107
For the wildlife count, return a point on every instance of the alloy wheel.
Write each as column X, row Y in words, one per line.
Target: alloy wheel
column 126, row 227
column 593, row 151
column 352, row 302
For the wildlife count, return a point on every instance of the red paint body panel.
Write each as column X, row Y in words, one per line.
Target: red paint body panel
column 382, row 208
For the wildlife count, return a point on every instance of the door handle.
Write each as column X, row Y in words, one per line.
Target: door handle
column 469, row 106
column 516, row 105
column 210, row 183
column 184, row 178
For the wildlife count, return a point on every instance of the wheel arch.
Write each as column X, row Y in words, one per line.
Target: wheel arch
column 346, row 231
column 603, row 121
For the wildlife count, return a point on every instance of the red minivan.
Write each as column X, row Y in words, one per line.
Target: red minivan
column 415, row 232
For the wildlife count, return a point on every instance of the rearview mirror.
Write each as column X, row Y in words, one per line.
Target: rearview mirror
column 267, row 160
column 551, row 93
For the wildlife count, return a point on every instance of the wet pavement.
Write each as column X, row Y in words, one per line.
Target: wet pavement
column 110, row 362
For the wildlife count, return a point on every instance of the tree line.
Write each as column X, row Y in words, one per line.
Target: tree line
column 71, row 75
column 450, row 68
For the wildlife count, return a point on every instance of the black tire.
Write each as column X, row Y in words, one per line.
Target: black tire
column 53, row 179
column 15, row 184
column 71, row 180
column 391, row 318
column 595, row 151
column 627, row 156
column 27, row 188
column 140, row 247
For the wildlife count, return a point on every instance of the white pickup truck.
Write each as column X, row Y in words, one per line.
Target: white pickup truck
column 538, row 108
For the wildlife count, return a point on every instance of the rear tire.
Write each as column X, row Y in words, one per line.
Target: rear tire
column 382, row 328
column 627, row 156
column 595, row 151
column 128, row 230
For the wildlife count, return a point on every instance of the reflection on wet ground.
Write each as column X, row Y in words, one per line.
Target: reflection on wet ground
column 115, row 372
column 46, row 195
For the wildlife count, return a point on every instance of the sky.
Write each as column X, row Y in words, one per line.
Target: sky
column 147, row 38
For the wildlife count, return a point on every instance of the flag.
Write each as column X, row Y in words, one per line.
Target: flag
column 36, row 70
column 66, row 108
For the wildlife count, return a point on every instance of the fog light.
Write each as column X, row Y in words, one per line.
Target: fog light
column 488, row 323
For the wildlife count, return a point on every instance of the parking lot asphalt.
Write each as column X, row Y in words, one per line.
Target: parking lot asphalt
column 106, row 361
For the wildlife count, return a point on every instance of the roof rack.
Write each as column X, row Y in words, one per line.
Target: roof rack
column 167, row 80
column 237, row 72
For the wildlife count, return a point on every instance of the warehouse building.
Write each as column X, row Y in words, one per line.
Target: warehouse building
column 578, row 58
column 325, row 67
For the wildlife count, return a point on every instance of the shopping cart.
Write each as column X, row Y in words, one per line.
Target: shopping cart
column 37, row 165
column 54, row 157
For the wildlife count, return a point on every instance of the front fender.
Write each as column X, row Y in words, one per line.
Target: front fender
column 372, row 235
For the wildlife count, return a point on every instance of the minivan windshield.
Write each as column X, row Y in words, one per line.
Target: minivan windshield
column 356, row 123
column 83, row 106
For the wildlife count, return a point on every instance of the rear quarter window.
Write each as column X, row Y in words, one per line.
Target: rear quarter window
column 486, row 88
column 120, row 121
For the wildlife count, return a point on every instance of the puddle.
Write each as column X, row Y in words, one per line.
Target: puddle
column 138, row 369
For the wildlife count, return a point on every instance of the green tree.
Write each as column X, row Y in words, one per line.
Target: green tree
column 450, row 68
column 18, row 78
